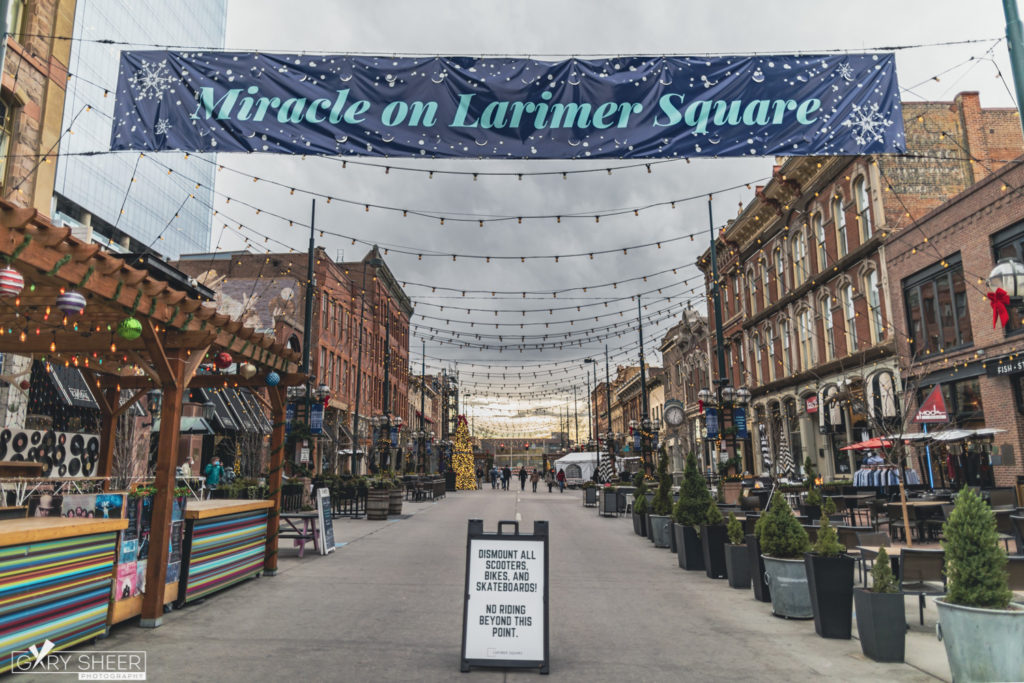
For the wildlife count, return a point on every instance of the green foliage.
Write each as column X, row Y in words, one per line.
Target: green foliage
column 828, row 508
column 638, row 480
column 733, row 463
column 975, row 564
column 882, row 580
column 694, row 496
column 640, row 502
column 779, row 533
column 813, row 497
column 734, row 529
column 712, row 515
column 662, row 503
column 811, row 473
column 828, row 544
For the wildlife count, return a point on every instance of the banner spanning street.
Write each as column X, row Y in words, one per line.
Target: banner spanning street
column 621, row 107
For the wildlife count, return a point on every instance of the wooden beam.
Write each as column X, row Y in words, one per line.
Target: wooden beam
column 108, row 436
column 99, row 394
column 144, row 366
column 279, row 403
column 157, row 355
column 193, row 363
column 131, row 401
column 204, row 381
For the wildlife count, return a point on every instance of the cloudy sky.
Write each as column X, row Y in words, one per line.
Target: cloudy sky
column 526, row 405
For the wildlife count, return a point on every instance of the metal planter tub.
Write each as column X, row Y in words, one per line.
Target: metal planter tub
column 661, row 527
column 787, row 582
column 982, row 644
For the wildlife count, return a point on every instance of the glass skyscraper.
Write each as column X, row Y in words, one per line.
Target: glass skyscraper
column 98, row 190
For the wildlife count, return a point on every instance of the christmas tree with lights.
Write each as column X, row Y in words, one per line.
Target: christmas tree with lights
column 462, row 458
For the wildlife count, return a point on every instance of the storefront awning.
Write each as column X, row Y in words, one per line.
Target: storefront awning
column 189, row 425
column 71, row 387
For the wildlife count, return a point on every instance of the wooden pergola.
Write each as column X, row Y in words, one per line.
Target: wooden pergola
column 179, row 332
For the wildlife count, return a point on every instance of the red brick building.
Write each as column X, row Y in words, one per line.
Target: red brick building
column 806, row 291
column 937, row 267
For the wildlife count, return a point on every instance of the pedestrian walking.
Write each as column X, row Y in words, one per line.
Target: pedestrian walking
column 549, row 479
column 561, row 481
column 479, row 478
column 534, row 478
column 213, row 472
column 494, row 476
column 522, row 478
column 506, row 476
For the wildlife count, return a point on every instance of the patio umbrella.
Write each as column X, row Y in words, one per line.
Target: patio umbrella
column 870, row 444
column 785, row 460
column 766, row 452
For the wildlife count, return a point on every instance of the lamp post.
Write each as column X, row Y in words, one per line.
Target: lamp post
column 725, row 399
column 608, row 401
column 374, row 262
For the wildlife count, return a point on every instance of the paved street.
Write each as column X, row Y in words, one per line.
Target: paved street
column 388, row 606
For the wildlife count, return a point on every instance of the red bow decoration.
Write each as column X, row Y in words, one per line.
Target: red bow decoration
column 999, row 300
column 700, row 406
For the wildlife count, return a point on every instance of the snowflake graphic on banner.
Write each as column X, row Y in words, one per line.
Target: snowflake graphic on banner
column 845, row 71
column 867, row 124
column 162, row 127
column 152, row 80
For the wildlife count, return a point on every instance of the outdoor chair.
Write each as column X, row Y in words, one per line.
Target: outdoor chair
column 934, row 525
column 1015, row 568
column 1002, row 498
column 812, row 532
column 1017, row 522
column 749, row 522
column 1004, row 525
column 879, row 515
column 879, row 538
column 847, row 535
column 896, row 527
column 922, row 572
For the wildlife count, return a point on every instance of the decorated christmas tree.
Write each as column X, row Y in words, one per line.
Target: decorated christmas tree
column 462, row 458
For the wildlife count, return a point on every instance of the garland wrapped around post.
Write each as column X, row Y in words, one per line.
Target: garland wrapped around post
column 462, row 458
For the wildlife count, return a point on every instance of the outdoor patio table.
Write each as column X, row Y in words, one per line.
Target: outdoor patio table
column 870, row 552
column 300, row 536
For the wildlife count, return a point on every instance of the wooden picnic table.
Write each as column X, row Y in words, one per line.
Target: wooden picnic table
column 300, row 537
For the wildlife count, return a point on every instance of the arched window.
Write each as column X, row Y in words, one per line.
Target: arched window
column 784, row 331
column 752, row 285
column 764, row 283
column 861, row 196
column 851, row 319
column 780, row 271
column 839, row 216
column 798, row 246
column 827, row 327
column 818, row 230
column 874, row 306
column 806, row 325
column 883, row 396
column 769, row 342
column 756, row 344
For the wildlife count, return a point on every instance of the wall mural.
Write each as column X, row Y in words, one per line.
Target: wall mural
column 63, row 454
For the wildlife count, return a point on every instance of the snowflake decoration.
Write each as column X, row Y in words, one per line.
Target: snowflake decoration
column 867, row 125
column 162, row 127
column 845, row 71
column 152, row 80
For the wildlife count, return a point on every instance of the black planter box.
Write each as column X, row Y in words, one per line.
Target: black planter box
column 881, row 625
column 688, row 548
column 650, row 531
column 590, row 496
column 639, row 524
column 712, row 541
column 811, row 511
column 756, row 565
column 737, row 565
column 830, row 580
column 673, row 547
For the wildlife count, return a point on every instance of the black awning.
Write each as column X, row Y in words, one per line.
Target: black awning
column 71, row 387
column 242, row 418
column 223, row 419
column 136, row 409
column 259, row 416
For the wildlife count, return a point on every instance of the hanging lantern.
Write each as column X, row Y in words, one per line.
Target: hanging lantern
column 247, row 370
column 272, row 379
column 25, row 384
column 71, row 302
column 222, row 360
column 11, row 282
column 129, row 328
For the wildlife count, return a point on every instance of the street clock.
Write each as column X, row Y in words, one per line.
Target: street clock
column 674, row 414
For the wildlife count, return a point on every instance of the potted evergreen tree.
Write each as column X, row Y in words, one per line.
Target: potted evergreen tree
column 688, row 514
column 661, row 506
column 830, row 579
column 712, row 541
column 737, row 568
column 881, row 621
column 783, row 542
column 982, row 630
column 639, row 505
column 811, row 506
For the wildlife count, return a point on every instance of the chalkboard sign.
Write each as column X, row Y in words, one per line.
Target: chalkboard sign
column 505, row 616
column 325, row 526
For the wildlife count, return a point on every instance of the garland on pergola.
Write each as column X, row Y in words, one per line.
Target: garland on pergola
column 462, row 458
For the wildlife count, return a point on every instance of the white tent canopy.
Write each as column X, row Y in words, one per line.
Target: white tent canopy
column 579, row 467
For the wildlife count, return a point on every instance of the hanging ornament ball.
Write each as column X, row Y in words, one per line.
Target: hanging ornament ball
column 25, row 384
column 11, row 282
column 247, row 370
column 222, row 360
column 273, row 379
column 71, row 302
column 129, row 328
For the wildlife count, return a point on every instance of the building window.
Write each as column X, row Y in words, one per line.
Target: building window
column 764, row 283
column 851, row 319
column 818, row 230
column 875, row 306
column 860, row 194
column 827, row 326
column 769, row 342
column 937, row 315
column 799, row 248
column 839, row 216
column 757, row 357
column 780, row 270
column 806, row 330
column 752, row 283
column 963, row 402
column 786, row 369
column 7, row 110
column 323, row 361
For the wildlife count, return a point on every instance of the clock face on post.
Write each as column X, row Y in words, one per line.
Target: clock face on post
column 674, row 415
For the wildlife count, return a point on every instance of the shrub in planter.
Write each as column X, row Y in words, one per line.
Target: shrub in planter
column 830, row 580
column 640, row 508
column 661, row 506
column 783, row 542
column 979, row 626
column 688, row 515
column 812, row 504
column 881, row 621
column 737, row 566
column 712, row 540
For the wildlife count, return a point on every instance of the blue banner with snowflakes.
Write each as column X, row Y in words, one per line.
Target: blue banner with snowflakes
column 621, row 107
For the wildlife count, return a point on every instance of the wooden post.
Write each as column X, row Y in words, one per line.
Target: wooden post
column 278, row 407
column 108, row 435
column 170, row 366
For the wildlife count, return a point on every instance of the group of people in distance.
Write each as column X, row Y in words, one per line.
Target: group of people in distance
column 504, row 475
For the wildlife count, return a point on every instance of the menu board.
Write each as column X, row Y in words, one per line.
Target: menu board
column 325, row 524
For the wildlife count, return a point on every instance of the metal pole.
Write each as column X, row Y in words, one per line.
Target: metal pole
column 307, row 325
column 1015, row 46
column 423, row 406
column 359, row 373
column 608, row 400
column 575, row 414
column 387, row 388
column 4, row 28
column 645, row 444
column 590, row 413
column 719, row 341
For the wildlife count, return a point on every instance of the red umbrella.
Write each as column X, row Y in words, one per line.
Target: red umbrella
column 870, row 444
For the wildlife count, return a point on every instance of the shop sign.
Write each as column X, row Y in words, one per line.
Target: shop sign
column 739, row 419
column 811, row 405
column 1008, row 365
column 933, row 409
column 711, row 418
column 316, row 418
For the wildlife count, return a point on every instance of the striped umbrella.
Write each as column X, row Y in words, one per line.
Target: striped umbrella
column 785, row 459
column 605, row 468
column 766, row 451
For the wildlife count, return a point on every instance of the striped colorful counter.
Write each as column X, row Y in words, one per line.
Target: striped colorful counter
column 225, row 542
column 55, row 579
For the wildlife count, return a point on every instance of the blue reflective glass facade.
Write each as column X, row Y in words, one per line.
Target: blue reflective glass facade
column 101, row 185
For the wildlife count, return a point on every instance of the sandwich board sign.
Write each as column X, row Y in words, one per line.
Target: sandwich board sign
column 505, row 615
column 325, row 523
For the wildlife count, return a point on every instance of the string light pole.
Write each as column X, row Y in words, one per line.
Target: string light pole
column 644, row 424
column 375, row 262
column 1015, row 46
